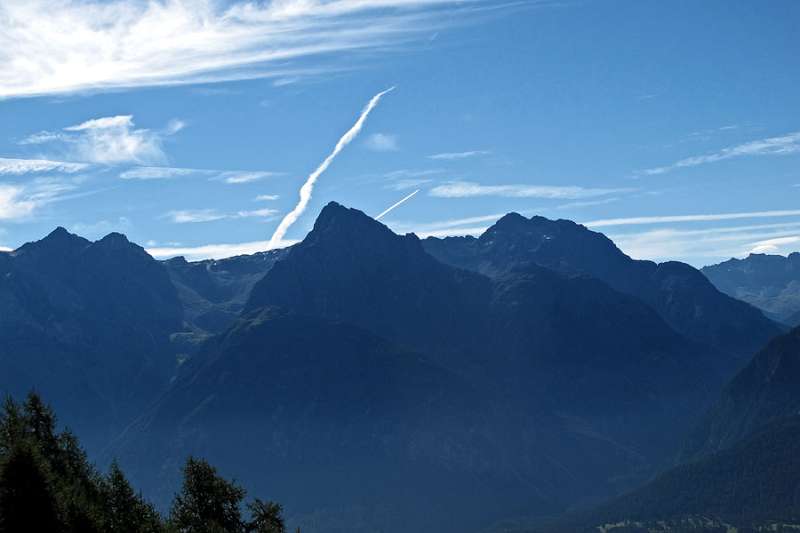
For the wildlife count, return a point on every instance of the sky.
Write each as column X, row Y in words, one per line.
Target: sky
column 191, row 125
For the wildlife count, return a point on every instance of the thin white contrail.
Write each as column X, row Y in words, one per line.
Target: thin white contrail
column 404, row 200
column 308, row 186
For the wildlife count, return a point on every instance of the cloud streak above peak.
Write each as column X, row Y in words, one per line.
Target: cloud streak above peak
column 707, row 217
column 782, row 145
column 136, row 43
column 468, row 189
column 193, row 216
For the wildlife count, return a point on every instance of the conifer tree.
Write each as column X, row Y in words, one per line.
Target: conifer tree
column 265, row 517
column 207, row 503
column 126, row 511
column 27, row 502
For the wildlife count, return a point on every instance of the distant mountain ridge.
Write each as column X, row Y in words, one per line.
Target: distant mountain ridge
column 677, row 291
column 769, row 282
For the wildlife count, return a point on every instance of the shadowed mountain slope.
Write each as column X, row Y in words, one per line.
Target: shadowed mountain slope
column 752, row 486
column 765, row 390
column 213, row 292
column 87, row 324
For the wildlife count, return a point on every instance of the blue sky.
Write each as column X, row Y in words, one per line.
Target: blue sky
column 673, row 127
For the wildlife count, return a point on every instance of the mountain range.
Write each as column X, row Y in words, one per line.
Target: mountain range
column 378, row 381
column 88, row 324
column 769, row 282
column 679, row 293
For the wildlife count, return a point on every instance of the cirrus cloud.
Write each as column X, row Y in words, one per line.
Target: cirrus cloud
column 382, row 142
column 36, row 166
column 781, row 145
column 65, row 46
column 109, row 140
column 191, row 216
column 468, row 189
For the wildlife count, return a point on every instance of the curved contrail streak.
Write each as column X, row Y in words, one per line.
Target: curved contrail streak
column 404, row 200
column 308, row 186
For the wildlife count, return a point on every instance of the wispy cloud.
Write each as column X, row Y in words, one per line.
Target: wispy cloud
column 587, row 203
column 400, row 180
column 256, row 213
column 215, row 251
column 34, row 166
column 64, row 46
column 411, row 173
column 97, row 229
column 467, row 189
column 708, row 244
column 451, row 156
column 691, row 218
column 235, row 178
column 776, row 245
column 382, row 142
column 266, row 197
column 410, row 183
column 783, row 145
column 448, row 227
column 192, row 216
column 156, row 173
column 473, row 231
column 109, row 140
column 21, row 201
column 14, row 203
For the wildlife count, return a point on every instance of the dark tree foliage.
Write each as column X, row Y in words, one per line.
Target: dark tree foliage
column 266, row 517
column 207, row 502
column 127, row 511
column 47, row 484
column 27, row 502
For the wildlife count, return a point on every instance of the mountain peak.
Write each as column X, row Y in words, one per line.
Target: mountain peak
column 59, row 232
column 335, row 214
column 511, row 221
column 337, row 223
column 114, row 240
column 59, row 241
column 61, row 235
